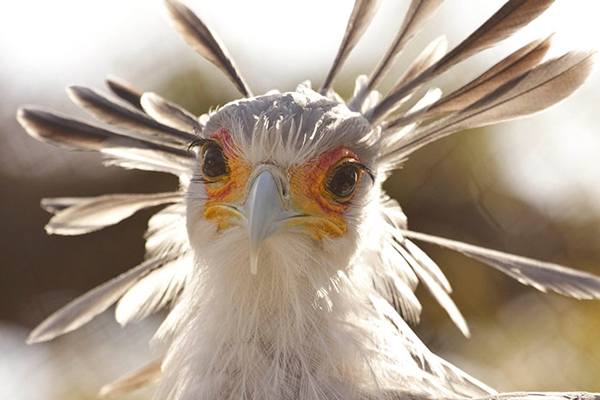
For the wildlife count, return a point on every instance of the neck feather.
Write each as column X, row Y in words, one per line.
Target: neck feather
column 283, row 333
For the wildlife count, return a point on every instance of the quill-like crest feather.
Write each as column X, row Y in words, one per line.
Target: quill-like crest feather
column 200, row 38
column 108, row 110
column 529, row 93
column 437, row 291
column 128, row 151
column 154, row 291
column 125, row 91
column 91, row 214
column 360, row 19
column 540, row 275
column 169, row 113
column 429, row 56
column 510, row 67
column 419, row 12
column 84, row 308
column 395, row 281
column 428, row 265
column 511, row 17
column 146, row 376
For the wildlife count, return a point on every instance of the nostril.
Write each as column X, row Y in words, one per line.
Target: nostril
column 284, row 189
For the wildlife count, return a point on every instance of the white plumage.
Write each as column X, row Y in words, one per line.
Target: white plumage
column 289, row 271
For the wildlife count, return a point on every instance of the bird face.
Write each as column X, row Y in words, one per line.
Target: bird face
column 280, row 170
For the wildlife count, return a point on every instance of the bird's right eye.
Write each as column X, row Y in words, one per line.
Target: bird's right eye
column 214, row 162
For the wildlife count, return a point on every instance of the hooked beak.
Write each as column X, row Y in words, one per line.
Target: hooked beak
column 271, row 204
column 265, row 212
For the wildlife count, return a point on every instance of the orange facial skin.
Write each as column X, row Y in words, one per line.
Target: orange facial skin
column 229, row 189
column 320, row 214
column 309, row 195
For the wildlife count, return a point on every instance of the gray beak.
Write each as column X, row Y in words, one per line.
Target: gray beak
column 265, row 212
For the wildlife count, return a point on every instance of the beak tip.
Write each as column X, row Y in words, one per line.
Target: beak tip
column 254, row 263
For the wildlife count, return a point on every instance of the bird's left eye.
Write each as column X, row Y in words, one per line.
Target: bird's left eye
column 343, row 180
column 214, row 162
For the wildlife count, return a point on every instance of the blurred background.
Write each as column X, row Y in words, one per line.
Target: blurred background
column 530, row 187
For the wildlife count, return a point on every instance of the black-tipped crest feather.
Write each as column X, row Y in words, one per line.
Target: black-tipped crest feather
column 169, row 113
column 200, row 38
column 517, row 63
column 419, row 12
column 125, row 91
column 84, row 308
column 533, row 91
column 512, row 16
column 91, row 214
column 360, row 19
column 108, row 110
column 540, row 275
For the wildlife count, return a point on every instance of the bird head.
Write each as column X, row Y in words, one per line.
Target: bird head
column 283, row 172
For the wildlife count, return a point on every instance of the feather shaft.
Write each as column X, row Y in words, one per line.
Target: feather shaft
column 511, row 67
column 204, row 42
column 125, row 91
column 84, row 308
column 108, row 110
column 543, row 276
column 533, row 91
column 146, row 376
column 419, row 12
column 169, row 113
column 91, row 214
column 360, row 19
column 511, row 17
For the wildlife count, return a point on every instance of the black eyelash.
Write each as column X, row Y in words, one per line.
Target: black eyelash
column 366, row 170
column 198, row 143
column 199, row 179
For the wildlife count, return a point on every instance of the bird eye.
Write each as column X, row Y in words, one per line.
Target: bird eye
column 343, row 180
column 214, row 162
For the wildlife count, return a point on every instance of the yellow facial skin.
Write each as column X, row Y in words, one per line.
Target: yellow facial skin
column 229, row 189
column 310, row 197
column 317, row 212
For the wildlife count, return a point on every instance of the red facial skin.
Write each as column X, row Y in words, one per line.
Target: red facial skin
column 315, row 174
column 308, row 192
column 228, row 188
